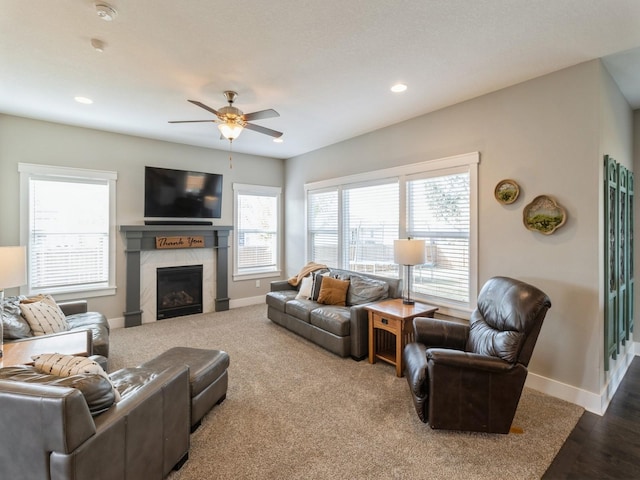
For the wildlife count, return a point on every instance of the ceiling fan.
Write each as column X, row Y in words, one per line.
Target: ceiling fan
column 231, row 121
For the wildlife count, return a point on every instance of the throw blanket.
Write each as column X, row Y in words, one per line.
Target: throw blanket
column 306, row 270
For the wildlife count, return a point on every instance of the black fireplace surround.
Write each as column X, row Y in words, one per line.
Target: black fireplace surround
column 138, row 238
column 178, row 291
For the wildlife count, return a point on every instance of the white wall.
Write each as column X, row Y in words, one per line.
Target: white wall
column 32, row 141
column 545, row 134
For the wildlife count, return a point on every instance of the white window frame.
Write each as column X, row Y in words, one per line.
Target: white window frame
column 28, row 171
column 261, row 190
column 467, row 161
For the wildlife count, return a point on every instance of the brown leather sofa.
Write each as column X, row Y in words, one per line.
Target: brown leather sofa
column 59, row 429
column 470, row 377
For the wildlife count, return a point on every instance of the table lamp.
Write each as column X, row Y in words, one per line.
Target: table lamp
column 408, row 252
column 13, row 273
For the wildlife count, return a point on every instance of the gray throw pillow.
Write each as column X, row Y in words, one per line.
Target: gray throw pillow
column 365, row 290
column 13, row 324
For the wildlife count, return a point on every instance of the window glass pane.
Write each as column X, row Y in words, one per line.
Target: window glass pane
column 371, row 224
column 69, row 234
column 323, row 227
column 257, row 225
column 438, row 211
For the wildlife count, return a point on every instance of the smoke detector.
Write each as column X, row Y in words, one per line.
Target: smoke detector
column 106, row 12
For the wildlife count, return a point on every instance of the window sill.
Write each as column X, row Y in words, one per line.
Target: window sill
column 66, row 294
column 256, row 275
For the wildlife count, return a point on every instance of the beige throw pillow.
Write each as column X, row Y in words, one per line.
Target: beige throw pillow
column 68, row 365
column 305, row 288
column 44, row 316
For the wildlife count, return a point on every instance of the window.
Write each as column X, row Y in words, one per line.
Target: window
column 68, row 224
column 353, row 221
column 257, row 231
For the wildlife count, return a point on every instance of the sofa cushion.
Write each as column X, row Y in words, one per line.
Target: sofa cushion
column 43, row 315
column 96, row 389
column 68, row 365
column 14, row 325
column 365, row 290
column 333, row 291
column 300, row 309
column 333, row 319
column 279, row 299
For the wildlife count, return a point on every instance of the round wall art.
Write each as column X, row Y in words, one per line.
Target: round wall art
column 544, row 215
column 507, row 191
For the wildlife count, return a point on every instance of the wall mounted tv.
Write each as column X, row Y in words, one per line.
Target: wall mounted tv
column 178, row 196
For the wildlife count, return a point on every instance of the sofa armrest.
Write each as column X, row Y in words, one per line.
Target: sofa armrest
column 142, row 436
column 36, row 419
column 73, row 307
column 279, row 285
column 359, row 332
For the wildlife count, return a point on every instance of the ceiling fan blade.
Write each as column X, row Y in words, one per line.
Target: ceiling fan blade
column 207, row 108
column 191, row 121
column 269, row 113
column 266, row 131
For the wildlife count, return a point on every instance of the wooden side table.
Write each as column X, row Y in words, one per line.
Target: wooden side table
column 390, row 329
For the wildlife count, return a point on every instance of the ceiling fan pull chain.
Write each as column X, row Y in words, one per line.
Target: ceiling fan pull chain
column 230, row 154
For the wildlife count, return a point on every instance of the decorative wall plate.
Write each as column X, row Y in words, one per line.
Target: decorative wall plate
column 544, row 215
column 507, row 191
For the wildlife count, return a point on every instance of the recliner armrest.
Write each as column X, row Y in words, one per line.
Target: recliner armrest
column 466, row 360
column 440, row 333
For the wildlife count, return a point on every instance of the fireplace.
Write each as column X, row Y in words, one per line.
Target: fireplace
column 179, row 291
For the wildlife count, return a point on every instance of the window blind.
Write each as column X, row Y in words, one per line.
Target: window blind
column 257, row 231
column 322, row 226
column 370, row 216
column 69, row 233
column 438, row 211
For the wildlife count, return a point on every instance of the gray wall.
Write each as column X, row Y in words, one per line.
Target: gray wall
column 32, row 141
column 549, row 134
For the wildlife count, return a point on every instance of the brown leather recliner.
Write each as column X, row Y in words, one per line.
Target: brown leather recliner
column 470, row 377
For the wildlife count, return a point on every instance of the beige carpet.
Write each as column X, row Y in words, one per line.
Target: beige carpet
column 296, row 411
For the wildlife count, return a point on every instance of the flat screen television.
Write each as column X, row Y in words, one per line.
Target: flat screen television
column 181, row 195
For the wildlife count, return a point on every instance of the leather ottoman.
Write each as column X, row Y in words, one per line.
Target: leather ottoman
column 208, row 377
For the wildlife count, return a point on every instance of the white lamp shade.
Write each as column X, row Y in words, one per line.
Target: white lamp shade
column 13, row 267
column 409, row 252
column 230, row 130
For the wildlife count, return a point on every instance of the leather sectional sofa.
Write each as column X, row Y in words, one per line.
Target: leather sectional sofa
column 69, row 427
column 342, row 330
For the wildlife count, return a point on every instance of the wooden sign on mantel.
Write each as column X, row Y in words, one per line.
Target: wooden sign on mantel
column 187, row 241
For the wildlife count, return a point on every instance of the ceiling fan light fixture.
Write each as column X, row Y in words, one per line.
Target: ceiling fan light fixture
column 230, row 130
column 106, row 12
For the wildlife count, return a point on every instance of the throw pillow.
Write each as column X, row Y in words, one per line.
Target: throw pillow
column 13, row 324
column 333, row 291
column 44, row 316
column 317, row 284
column 305, row 288
column 365, row 290
column 68, row 365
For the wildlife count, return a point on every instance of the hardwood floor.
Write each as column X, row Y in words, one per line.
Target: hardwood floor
column 605, row 447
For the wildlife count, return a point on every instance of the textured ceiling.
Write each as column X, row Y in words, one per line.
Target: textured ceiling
column 326, row 66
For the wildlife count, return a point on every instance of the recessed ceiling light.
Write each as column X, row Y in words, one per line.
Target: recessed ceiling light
column 398, row 87
column 84, row 100
column 278, row 140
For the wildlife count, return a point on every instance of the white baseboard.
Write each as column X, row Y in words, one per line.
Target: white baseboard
column 242, row 302
column 592, row 402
